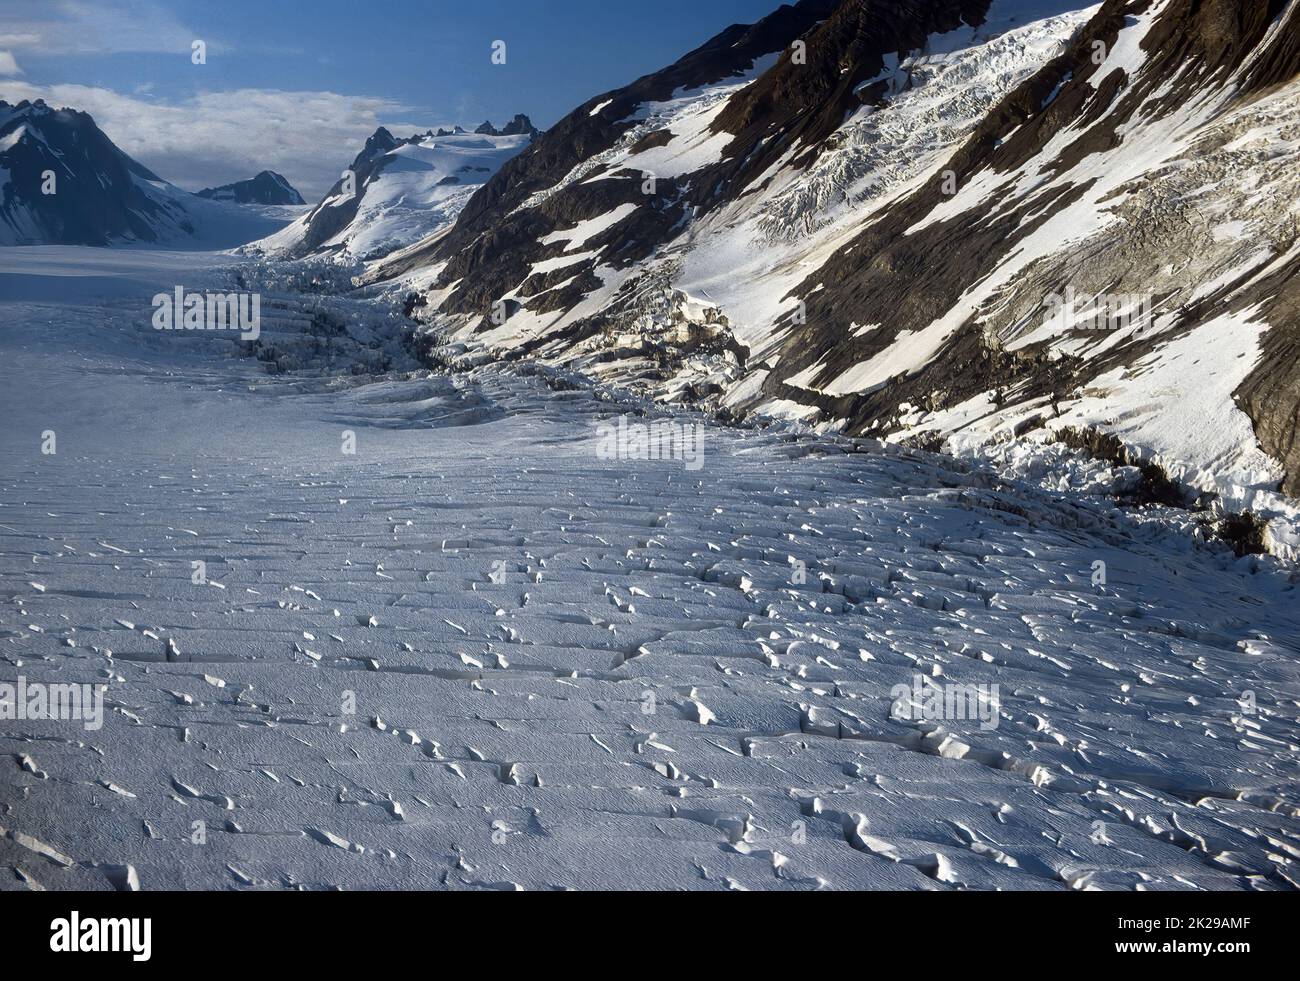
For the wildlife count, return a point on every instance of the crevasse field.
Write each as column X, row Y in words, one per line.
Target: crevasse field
column 476, row 654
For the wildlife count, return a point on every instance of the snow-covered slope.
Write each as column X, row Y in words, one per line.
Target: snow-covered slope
column 1161, row 180
column 857, row 214
column 398, row 192
column 63, row 181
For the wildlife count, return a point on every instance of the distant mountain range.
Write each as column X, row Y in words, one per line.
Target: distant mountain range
column 63, row 181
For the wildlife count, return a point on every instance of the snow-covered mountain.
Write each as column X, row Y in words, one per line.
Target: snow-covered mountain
column 64, row 182
column 911, row 219
column 399, row 192
column 268, row 187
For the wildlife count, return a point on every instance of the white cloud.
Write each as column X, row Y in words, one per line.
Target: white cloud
column 218, row 137
column 8, row 66
column 98, row 27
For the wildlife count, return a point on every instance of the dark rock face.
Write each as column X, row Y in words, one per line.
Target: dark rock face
column 1271, row 395
column 268, row 187
column 808, row 101
column 100, row 194
column 379, row 142
column 521, row 125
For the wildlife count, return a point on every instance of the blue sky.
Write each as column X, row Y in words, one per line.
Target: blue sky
column 297, row 86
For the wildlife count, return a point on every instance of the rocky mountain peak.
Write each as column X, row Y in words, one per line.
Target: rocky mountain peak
column 521, row 125
column 268, row 187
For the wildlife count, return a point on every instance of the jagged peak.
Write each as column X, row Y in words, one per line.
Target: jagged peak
column 519, row 126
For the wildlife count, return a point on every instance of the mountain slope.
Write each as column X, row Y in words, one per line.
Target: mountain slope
column 705, row 130
column 854, row 213
column 1166, row 172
